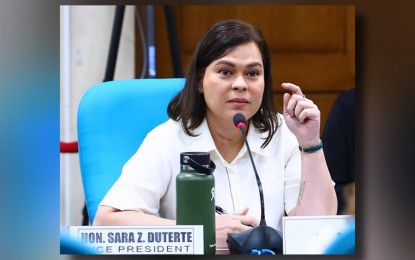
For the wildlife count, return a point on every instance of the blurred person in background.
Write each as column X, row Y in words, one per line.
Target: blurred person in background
column 339, row 144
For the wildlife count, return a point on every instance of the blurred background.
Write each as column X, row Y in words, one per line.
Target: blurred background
column 311, row 46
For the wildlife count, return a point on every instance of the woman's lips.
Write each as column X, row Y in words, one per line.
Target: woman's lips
column 238, row 103
column 239, row 100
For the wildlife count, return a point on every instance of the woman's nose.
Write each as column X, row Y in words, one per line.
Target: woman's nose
column 239, row 83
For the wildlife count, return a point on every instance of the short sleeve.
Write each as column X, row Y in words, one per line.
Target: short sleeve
column 145, row 177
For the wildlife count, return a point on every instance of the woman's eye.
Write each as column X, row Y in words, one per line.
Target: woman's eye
column 252, row 73
column 225, row 72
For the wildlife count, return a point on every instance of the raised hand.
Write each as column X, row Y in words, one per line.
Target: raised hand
column 301, row 115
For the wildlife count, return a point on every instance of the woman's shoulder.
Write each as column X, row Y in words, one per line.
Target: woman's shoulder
column 164, row 139
column 169, row 131
column 166, row 129
column 167, row 125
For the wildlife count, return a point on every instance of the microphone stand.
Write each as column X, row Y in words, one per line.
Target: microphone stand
column 258, row 181
column 258, row 240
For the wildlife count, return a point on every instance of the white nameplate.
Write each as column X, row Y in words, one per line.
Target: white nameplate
column 149, row 240
column 311, row 234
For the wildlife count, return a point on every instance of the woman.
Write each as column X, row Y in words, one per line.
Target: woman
column 230, row 73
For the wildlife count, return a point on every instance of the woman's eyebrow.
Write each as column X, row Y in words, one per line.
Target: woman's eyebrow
column 224, row 62
column 253, row 64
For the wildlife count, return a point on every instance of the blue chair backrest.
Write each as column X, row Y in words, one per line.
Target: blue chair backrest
column 113, row 119
column 71, row 246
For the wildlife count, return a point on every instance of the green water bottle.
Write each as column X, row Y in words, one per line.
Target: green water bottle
column 195, row 195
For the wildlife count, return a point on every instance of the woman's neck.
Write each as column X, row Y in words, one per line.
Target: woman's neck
column 227, row 138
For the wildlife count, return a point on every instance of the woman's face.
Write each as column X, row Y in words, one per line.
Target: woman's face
column 234, row 84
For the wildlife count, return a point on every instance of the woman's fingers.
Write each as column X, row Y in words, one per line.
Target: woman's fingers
column 294, row 89
column 303, row 109
column 308, row 113
column 242, row 211
column 247, row 220
column 238, row 221
column 295, row 104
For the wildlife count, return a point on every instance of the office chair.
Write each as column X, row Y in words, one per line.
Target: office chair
column 113, row 119
column 71, row 246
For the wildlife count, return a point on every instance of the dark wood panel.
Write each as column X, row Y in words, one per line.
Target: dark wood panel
column 288, row 28
column 314, row 72
column 311, row 46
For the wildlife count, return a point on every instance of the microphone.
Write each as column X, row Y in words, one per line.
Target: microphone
column 239, row 121
column 258, row 240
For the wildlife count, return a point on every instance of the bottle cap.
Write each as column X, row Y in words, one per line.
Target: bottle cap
column 199, row 161
column 202, row 158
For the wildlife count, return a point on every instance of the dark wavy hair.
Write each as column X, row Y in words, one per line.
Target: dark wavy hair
column 189, row 104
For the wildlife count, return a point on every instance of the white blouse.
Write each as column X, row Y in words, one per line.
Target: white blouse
column 148, row 179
